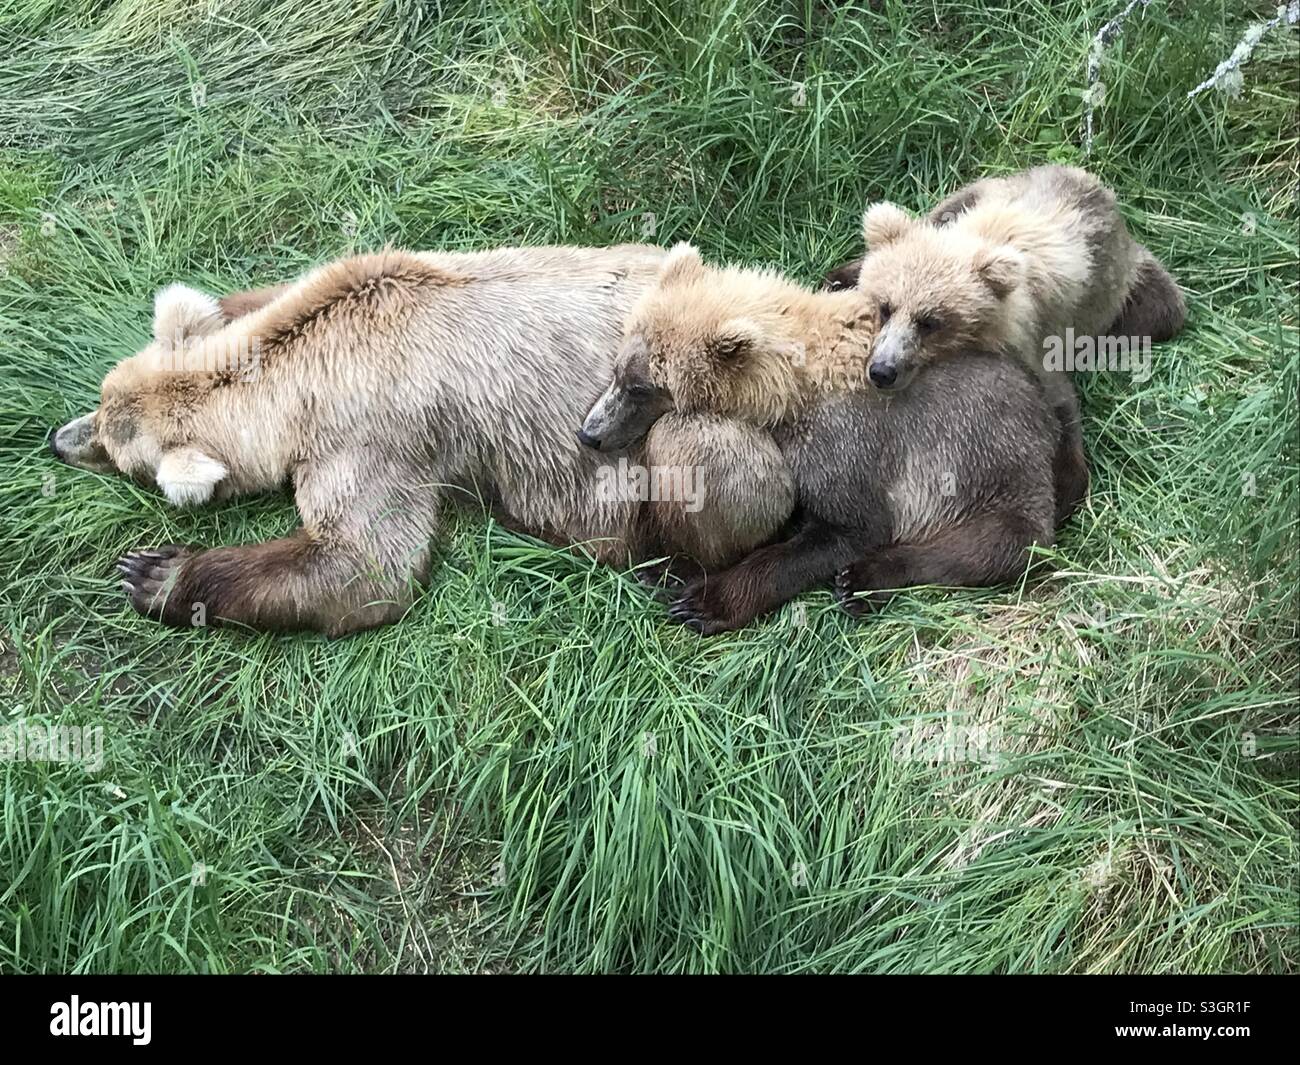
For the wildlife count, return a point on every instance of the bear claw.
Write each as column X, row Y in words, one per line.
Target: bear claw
column 855, row 599
column 148, row 576
column 691, row 611
column 684, row 614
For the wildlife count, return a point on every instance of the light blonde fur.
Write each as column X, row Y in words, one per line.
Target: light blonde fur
column 378, row 386
column 748, row 343
column 1033, row 255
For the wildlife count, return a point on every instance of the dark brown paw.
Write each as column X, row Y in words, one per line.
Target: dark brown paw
column 149, row 577
column 702, row 609
column 854, row 591
column 844, row 276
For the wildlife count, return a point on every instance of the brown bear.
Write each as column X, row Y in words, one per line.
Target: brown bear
column 950, row 482
column 1018, row 265
column 1154, row 305
column 382, row 386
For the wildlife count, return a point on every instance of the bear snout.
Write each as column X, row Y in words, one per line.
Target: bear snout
column 883, row 374
column 75, row 444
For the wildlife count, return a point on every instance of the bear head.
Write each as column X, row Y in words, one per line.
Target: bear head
column 701, row 340
column 937, row 291
column 148, row 424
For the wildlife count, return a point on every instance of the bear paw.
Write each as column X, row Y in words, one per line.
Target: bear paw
column 148, row 577
column 701, row 608
column 857, row 592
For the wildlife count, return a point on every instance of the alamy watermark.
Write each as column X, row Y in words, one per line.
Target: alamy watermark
column 240, row 355
column 950, row 741
column 1097, row 354
column 121, row 1019
column 630, row 482
column 74, row 744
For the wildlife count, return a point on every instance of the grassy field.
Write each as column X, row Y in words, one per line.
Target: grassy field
column 534, row 771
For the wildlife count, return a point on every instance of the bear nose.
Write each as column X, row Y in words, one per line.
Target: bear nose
column 49, row 442
column 882, row 375
column 587, row 440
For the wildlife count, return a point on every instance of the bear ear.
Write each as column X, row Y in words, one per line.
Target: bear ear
column 1001, row 267
column 187, row 476
column 735, row 339
column 884, row 223
column 682, row 264
column 180, row 312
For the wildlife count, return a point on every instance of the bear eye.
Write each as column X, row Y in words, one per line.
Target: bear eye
column 928, row 324
column 886, row 310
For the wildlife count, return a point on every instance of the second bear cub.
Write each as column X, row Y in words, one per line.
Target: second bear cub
column 1016, row 263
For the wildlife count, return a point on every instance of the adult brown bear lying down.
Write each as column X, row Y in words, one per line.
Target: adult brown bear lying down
column 381, row 387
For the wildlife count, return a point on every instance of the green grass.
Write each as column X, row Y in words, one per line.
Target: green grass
column 585, row 787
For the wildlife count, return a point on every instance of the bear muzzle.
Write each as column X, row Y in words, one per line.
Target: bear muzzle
column 76, row 444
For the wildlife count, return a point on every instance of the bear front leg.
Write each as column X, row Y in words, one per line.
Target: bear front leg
column 1069, row 466
column 286, row 585
column 765, row 579
column 1069, row 461
column 298, row 582
column 356, row 563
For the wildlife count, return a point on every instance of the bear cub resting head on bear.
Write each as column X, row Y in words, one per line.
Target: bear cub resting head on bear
column 741, row 343
column 948, row 483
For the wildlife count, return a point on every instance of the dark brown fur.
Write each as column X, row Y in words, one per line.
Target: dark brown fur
column 280, row 585
column 1069, row 466
column 948, row 483
column 1155, row 306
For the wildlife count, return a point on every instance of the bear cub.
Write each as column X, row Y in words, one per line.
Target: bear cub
column 949, row 482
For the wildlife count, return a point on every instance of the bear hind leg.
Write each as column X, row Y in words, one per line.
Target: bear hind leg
column 988, row 549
